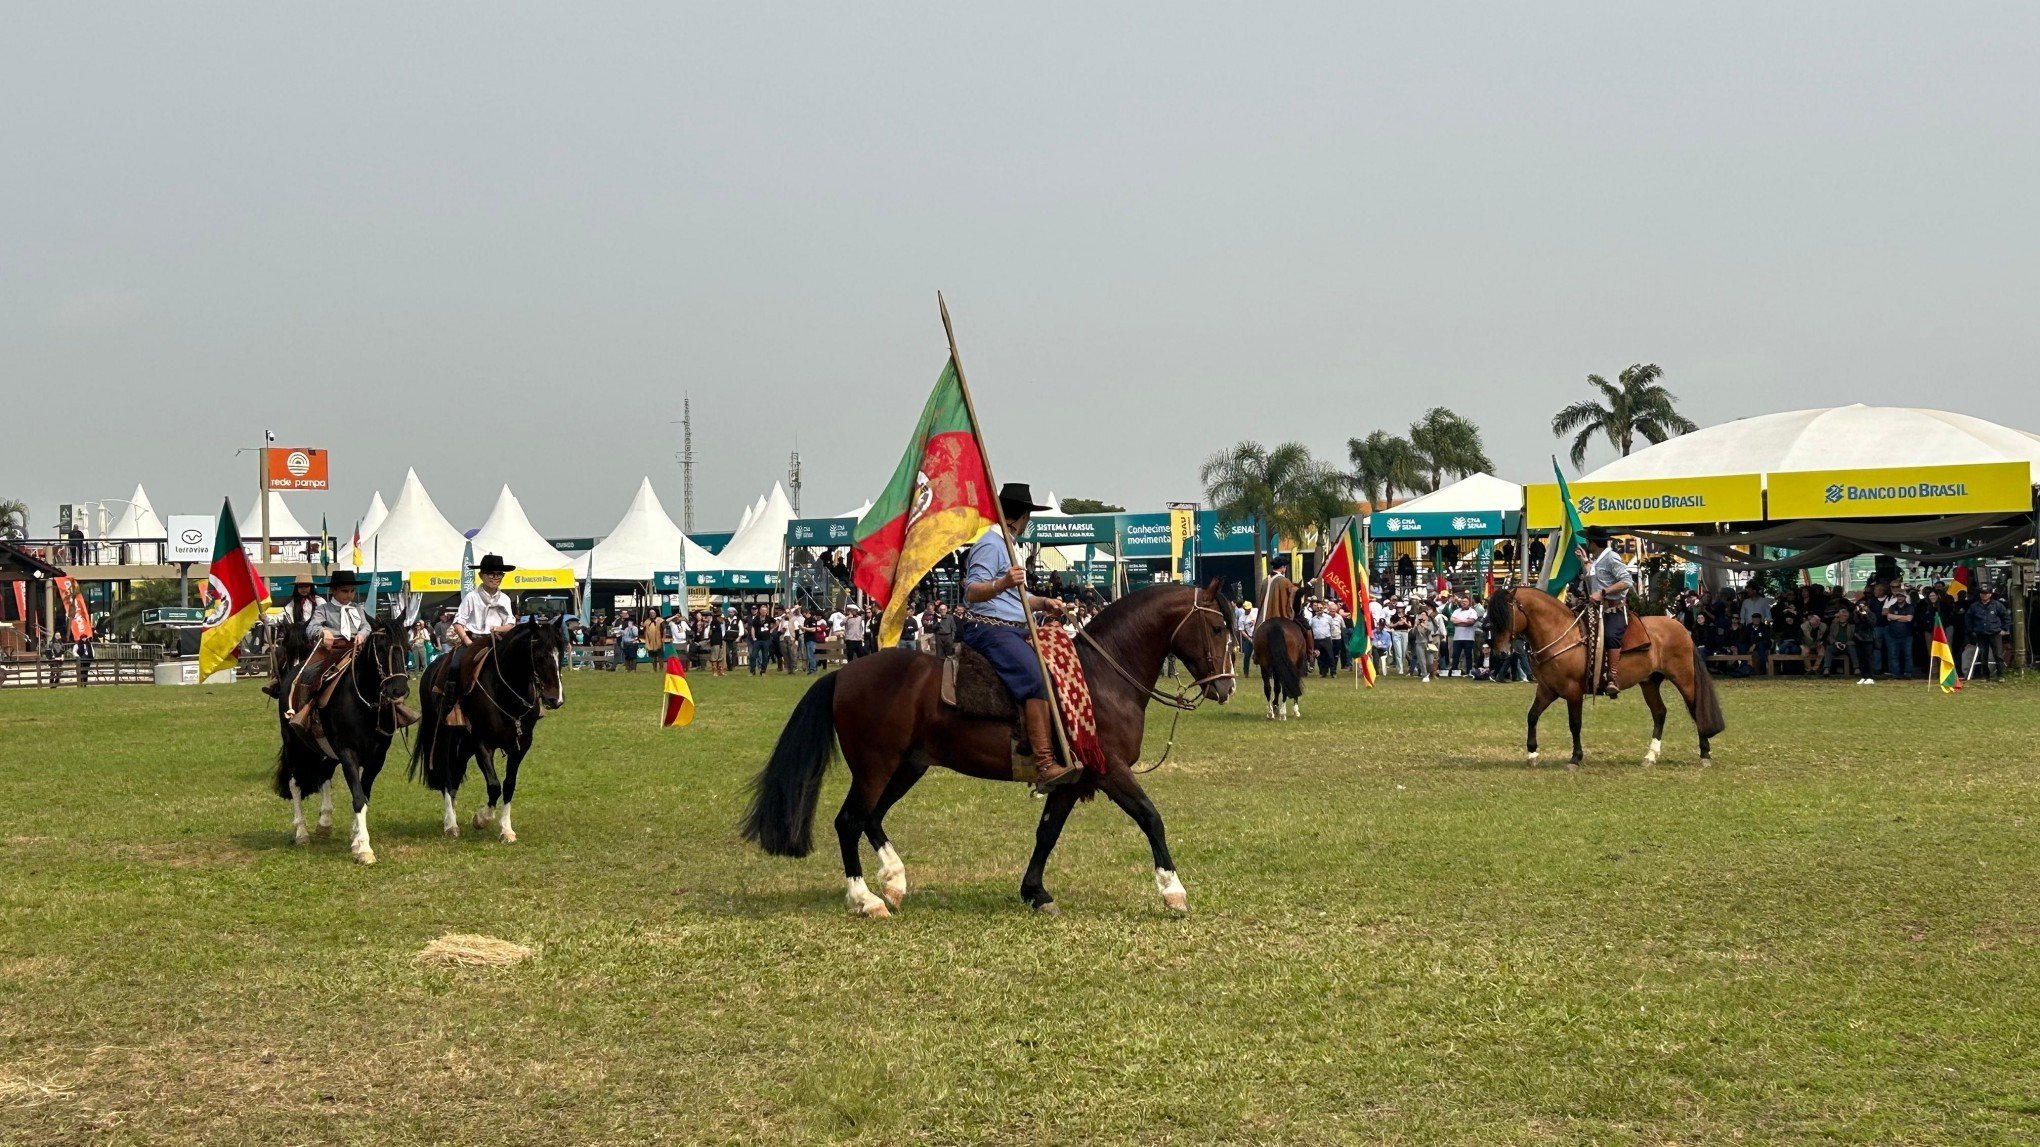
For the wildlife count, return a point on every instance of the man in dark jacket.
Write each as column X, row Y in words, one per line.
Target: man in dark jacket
column 1988, row 621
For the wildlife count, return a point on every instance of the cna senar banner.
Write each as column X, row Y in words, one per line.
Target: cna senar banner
column 297, row 468
column 1455, row 524
column 1983, row 488
column 1651, row 502
column 831, row 532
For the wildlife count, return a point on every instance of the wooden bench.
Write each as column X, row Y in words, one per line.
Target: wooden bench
column 1805, row 661
column 1728, row 659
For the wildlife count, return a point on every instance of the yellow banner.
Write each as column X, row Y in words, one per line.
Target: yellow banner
column 1182, row 527
column 1652, row 502
column 1983, row 488
column 516, row 581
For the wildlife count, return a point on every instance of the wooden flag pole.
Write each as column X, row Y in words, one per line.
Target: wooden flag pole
column 1012, row 543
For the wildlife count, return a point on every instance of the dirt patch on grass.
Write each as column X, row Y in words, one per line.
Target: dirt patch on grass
column 464, row 950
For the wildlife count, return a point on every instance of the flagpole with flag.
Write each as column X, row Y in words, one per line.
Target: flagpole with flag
column 238, row 596
column 372, row 579
column 325, row 546
column 1346, row 576
column 1941, row 662
column 1563, row 563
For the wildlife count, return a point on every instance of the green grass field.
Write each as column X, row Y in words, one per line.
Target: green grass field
column 1398, row 934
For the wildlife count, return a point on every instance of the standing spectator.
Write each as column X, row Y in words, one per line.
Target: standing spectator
column 1987, row 621
column 1536, row 555
column 718, row 644
column 1863, row 636
column 945, row 630
column 853, row 634
column 910, row 631
column 1243, row 628
column 812, row 637
column 1324, row 630
column 654, row 636
column 1405, row 573
column 1840, row 635
column 1897, row 635
column 627, row 643
column 1465, row 620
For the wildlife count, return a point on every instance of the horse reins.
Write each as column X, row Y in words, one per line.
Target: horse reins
column 1572, row 629
column 1185, row 699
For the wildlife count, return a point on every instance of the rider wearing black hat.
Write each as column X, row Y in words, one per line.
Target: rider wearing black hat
column 486, row 610
column 995, row 624
column 335, row 625
column 1608, row 584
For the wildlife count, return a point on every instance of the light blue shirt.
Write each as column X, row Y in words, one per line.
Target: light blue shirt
column 988, row 561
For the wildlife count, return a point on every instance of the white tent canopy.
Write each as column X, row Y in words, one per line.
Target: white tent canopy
column 761, row 544
column 859, row 512
column 282, row 523
column 1833, row 438
column 373, row 520
column 644, row 542
column 509, row 533
column 415, row 535
column 138, row 520
column 1475, row 492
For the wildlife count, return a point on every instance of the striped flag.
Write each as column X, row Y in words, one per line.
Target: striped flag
column 1942, row 662
column 357, row 547
column 1346, row 578
column 1563, row 563
column 238, row 597
column 325, row 545
column 679, row 698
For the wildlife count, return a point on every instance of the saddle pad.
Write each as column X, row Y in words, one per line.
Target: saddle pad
column 1072, row 697
column 972, row 687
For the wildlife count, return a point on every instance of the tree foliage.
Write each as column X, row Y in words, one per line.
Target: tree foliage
column 1090, row 506
column 1447, row 444
column 13, row 518
column 1637, row 403
column 1284, row 491
column 1384, row 465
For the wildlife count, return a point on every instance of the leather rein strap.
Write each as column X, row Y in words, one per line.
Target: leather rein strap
column 1190, row 696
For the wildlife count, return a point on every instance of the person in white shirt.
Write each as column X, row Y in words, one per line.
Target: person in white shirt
column 335, row 626
column 1243, row 622
column 486, row 610
column 1465, row 620
column 1324, row 633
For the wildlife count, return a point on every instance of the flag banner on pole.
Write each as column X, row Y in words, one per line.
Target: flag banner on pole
column 75, row 609
column 1943, row 662
column 1346, row 579
column 1958, row 586
column 357, row 547
column 1562, row 564
column 467, row 569
column 238, row 596
column 21, row 604
column 937, row 501
column 372, row 579
column 325, row 545
column 679, row 698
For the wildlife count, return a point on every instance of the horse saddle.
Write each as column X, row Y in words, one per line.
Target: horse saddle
column 972, row 687
column 1634, row 639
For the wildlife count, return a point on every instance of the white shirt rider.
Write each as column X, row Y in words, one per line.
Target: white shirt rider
column 485, row 609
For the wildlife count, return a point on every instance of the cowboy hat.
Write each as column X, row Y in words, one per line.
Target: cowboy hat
column 303, row 579
column 346, row 579
column 1015, row 498
column 493, row 563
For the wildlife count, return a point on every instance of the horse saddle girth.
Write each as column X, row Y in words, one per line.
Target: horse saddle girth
column 972, row 687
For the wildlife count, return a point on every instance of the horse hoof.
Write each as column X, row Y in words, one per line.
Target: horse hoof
column 482, row 818
column 451, row 832
column 894, row 894
column 1533, row 760
column 365, row 856
column 323, row 830
column 1572, row 766
column 874, row 910
column 509, row 838
column 1047, row 908
column 302, row 838
column 1706, row 762
column 1178, row 903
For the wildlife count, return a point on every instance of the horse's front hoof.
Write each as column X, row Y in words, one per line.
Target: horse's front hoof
column 1532, row 759
column 509, row 837
column 874, row 909
column 1047, row 908
column 364, row 856
column 323, row 830
column 1707, row 762
column 482, row 818
column 302, row 838
column 1177, row 903
column 894, row 894
column 451, row 832
column 1572, row 766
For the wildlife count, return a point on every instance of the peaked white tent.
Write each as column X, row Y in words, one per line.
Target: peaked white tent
column 139, row 520
column 1475, row 492
column 644, row 542
column 282, row 523
column 415, row 535
column 509, row 532
column 744, row 519
column 859, row 512
column 373, row 520
column 761, row 544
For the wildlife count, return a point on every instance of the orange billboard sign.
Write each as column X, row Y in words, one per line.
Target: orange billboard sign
column 297, row 468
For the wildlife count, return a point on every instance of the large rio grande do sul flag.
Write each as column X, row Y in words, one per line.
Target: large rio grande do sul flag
column 679, row 698
column 1562, row 564
column 938, row 500
column 238, row 594
column 1346, row 578
column 1942, row 661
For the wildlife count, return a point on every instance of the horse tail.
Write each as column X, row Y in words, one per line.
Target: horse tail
column 1706, row 703
column 782, row 813
column 283, row 770
column 1288, row 683
column 425, row 750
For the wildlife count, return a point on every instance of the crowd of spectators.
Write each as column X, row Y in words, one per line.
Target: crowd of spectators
column 1883, row 630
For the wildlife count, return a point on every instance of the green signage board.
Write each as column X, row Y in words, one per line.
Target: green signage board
column 1078, row 530
column 829, row 532
column 173, row 615
column 1393, row 524
column 668, row 581
column 571, row 545
column 713, row 543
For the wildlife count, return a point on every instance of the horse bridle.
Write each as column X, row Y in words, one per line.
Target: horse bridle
column 1571, row 630
column 1192, row 695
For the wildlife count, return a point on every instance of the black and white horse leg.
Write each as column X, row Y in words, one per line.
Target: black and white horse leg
column 1656, row 702
column 1538, row 705
column 892, row 871
column 1573, row 704
column 485, row 759
column 326, row 807
column 512, row 757
column 297, row 810
column 1125, row 791
column 870, row 774
column 357, row 842
column 1055, row 811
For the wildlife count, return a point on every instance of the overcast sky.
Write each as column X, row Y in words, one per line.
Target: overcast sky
column 499, row 242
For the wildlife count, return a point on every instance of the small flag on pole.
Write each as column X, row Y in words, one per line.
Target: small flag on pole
column 238, row 595
column 325, row 545
column 679, row 698
column 1943, row 662
column 1346, row 578
column 357, row 547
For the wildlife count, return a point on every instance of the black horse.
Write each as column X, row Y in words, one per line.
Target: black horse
column 355, row 729
column 518, row 683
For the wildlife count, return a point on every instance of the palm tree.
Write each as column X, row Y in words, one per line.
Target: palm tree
column 1636, row 404
column 13, row 518
column 1384, row 464
column 1282, row 491
column 1445, row 444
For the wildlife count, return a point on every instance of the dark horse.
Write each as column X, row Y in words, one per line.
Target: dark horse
column 1281, row 646
column 518, row 683
column 357, row 726
column 1558, row 660
column 887, row 712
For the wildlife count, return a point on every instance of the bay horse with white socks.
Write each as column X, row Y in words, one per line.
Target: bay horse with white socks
column 886, row 710
column 515, row 687
column 1558, row 662
column 355, row 729
column 1281, row 648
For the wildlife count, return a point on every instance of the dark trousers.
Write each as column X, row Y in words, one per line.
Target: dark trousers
column 1986, row 657
column 1327, row 655
column 1462, row 654
column 1011, row 657
column 761, row 654
column 1898, row 649
column 1246, row 657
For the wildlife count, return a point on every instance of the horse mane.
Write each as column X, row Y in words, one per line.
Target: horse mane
column 1498, row 609
column 1120, row 623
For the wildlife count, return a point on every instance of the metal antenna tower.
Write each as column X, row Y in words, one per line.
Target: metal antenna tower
column 793, row 477
column 686, row 457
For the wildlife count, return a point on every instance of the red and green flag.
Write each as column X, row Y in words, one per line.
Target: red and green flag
column 1346, row 578
column 939, row 499
column 1942, row 662
column 238, row 594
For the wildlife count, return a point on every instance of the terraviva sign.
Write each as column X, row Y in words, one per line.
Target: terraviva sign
column 1984, row 488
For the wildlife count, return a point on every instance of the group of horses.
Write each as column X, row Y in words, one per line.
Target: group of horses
column 518, row 684
column 886, row 717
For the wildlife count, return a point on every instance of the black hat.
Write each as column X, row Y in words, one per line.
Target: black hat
column 345, row 579
column 492, row 563
column 1016, row 499
column 1595, row 534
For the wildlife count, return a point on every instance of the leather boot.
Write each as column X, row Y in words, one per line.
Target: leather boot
column 1048, row 772
column 402, row 716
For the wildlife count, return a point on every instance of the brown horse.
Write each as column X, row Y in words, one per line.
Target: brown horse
column 1282, row 648
column 887, row 712
column 1558, row 660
